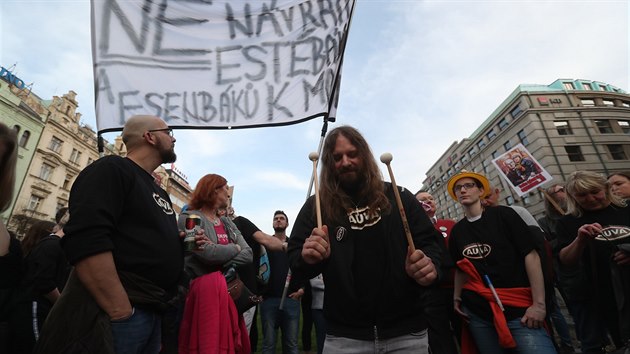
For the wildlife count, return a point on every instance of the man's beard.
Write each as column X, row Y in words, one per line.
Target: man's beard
column 350, row 180
column 279, row 228
column 168, row 155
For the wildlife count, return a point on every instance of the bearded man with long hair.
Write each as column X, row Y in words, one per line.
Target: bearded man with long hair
column 373, row 280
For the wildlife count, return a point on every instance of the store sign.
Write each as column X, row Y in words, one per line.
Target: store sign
column 8, row 76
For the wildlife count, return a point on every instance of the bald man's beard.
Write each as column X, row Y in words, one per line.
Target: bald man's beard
column 168, row 155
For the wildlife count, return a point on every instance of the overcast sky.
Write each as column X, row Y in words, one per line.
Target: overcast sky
column 417, row 76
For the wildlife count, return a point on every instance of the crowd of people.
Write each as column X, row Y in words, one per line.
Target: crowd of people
column 367, row 263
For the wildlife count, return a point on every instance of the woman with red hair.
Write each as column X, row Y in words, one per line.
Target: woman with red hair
column 211, row 323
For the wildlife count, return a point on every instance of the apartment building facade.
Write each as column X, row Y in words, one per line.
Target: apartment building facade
column 20, row 110
column 568, row 125
column 54, row 147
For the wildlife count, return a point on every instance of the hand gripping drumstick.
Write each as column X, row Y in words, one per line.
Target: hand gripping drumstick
column 313, row 156
column 387, row 158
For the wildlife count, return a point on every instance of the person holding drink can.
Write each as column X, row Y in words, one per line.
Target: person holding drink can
column 211, row 322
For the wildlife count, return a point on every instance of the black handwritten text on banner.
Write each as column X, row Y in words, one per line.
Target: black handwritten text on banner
column 218, row 64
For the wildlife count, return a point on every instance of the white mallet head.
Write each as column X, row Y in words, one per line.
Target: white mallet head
column 386, row 158
column 313, row 156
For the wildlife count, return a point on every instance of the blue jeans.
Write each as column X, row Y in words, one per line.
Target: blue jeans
column 560, row 323
column 286, row 319
column 140, row 333
column 528, row 340
column 411, row 343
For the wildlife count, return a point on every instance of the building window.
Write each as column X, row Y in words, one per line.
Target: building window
column 494, row 154
column 484, row 164
column 516, row 111
column 624, row 125
column 464, row 158
column 507, row 145
column 625, row 104
column 522, row 137
column 587, row 86
column 24, row 138
column 481, row 143
column 491, row 134
column 60, row 204
column 603, row 87
column 568, row 86
column 66, row 182
column 45, row 172
column 34, row 202
column 563, row 127
column 90, row 161
column 574, row 152
column 588, row 103
column 55, row 144
column 608, row 103
column 604, row 126
column 509, row 200
column 617, row 152
column 472, row 152
column 502, row 123
column 16, row 129
column 75, row 156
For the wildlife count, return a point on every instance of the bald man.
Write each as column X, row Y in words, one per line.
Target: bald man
column 123, row 241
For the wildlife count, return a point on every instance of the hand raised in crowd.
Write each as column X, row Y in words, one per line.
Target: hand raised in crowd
column 317, row 246
column 534, row 316
column 589, row 231
column 420, row 267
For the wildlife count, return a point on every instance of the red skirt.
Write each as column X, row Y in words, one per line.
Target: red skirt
column 211, row 324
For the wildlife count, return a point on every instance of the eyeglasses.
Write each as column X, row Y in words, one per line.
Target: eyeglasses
column 561, row 189
column 466, row 186
column 168, row 131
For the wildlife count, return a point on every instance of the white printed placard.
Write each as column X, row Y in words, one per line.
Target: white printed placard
column 521, row 170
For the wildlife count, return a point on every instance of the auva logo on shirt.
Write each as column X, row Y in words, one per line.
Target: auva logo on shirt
column 163, row 203
column 613, row 233
column 361, row 218
column 477, row 251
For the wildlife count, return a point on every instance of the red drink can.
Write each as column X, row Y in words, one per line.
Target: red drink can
column 191, row 225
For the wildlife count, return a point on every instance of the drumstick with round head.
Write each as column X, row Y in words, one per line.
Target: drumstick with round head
column 313, row 156
column 387, row 158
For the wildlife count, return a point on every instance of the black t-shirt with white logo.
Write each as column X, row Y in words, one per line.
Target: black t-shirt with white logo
column 116, row 206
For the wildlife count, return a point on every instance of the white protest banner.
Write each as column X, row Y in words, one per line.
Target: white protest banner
column 521, row 170
column 217, row 64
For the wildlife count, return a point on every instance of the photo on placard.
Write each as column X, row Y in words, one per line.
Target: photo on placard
column 521, row 170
